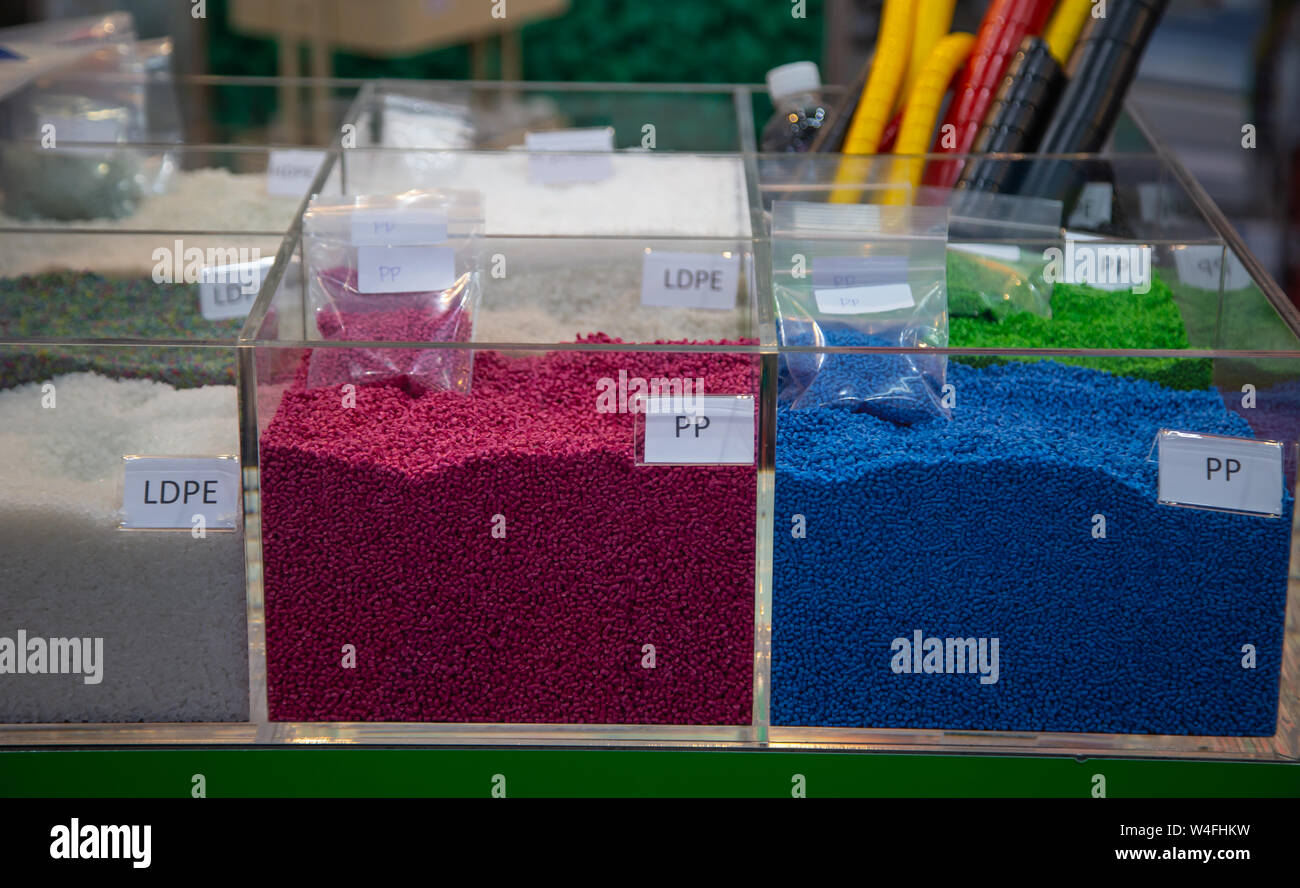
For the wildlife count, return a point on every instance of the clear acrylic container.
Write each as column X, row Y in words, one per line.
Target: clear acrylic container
column 119, row 340
column 547, row 576
column 670, row 105
column 1016, row 576
column 106, row 360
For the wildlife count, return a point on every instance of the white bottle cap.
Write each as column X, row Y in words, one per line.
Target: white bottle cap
column 794, row 79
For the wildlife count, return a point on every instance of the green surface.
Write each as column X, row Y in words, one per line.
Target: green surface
column 319, row 772
column 1082, row 317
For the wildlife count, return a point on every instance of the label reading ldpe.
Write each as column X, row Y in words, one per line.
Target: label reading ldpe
column 229, row 291
column 1219, row 472
column 690, row 280
column 168, row 492
column 405, row 269
column 289, row 172
column 861, row 284
column 548, row 164
column 704, row 430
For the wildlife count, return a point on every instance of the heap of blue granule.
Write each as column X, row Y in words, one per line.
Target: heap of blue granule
column 982, row 526
column 902, row 387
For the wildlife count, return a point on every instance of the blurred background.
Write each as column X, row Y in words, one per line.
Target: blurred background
column 1213, row 66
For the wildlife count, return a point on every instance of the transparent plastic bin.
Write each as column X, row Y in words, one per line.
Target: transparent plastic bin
column 1031, row 585
column 106, row 356
column 120, row 341
column 541, row 576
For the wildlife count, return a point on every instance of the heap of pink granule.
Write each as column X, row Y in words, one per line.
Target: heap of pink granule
column 378, row 533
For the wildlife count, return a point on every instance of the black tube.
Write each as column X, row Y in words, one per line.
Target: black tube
column 1099, row 73
column 1017, row 118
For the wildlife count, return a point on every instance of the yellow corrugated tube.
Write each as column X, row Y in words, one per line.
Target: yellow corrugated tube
column 922, row 110
column 933, row 22
column 893, row 48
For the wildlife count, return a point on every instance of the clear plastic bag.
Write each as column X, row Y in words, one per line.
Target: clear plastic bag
column 995, row 251
column 403, row 268
column 101, row 86
column 861, row 276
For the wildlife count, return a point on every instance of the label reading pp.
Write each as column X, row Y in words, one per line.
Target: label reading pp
column 549, row 164
column 290, row 172
column 1219, row 472
column 394, row 227
column 701, row 430
column 170, row 492
column 690, row 280
column 861, row 284
column 1203, row 267
column 405, row 269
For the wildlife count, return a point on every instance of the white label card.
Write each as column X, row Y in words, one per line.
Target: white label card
column 701, row 430
column 1218, row 472
column 405, row 269
column 861, row 284
column 170, row 492
column 1202, row 267
column 865, row 300
column 690, row 280
column 1104, row 265
column 1152, row 201
column 229, row 291
column 395, row 227
column 549, row 165
column 1094, row 206
column 290, row 172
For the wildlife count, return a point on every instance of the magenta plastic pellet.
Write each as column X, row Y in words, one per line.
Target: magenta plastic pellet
column 430, row 316
column 497, row 556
